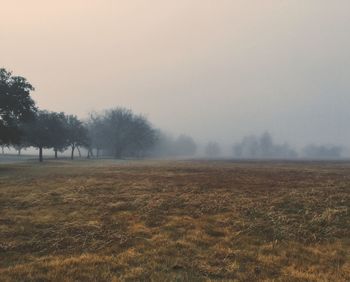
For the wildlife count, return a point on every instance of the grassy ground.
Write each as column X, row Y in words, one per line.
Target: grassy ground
column 174, row 221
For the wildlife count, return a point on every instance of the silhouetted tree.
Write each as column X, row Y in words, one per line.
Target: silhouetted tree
column 16, row 106
column 59, row 132
column 121, row 133
column 23, row 142
column 142, row 136
column 39, row 132
column 77, row 134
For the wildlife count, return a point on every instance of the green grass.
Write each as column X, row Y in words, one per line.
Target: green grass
column 174, row 221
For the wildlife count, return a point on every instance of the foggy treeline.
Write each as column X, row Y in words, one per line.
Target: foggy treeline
column 264, row 147
column 322, row 152
column 118, row 133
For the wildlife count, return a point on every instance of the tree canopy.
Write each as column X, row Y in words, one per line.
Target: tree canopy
column 16, row 105
column 121, row 133
column 117, row 132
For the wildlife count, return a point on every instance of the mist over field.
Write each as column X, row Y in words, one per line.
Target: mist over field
column 184, row 140
column 217, row 71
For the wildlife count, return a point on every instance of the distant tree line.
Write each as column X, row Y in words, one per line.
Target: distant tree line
column 264, row 147
column 117, row 132
column 168, row 146
column 53, row 130
column 322, row 152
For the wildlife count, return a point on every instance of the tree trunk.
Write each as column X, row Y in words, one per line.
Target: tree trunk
column 56, row 156
column 97, row 152
column 79, row 152
column 90, row 153
column 2, row 149
column 41, row 154
column 72, row 154
column 19, row 152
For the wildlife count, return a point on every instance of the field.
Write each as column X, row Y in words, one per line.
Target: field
column 175, row 221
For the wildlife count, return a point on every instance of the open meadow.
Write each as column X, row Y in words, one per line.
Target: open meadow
column 174, row 221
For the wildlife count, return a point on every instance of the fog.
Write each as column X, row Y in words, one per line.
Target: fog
column 217, row 71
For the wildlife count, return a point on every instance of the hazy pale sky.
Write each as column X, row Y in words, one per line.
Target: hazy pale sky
column 216, row 70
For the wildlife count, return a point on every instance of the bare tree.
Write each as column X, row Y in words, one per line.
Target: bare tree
column 120, row 132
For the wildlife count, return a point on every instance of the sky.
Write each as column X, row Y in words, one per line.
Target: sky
column 216, row 70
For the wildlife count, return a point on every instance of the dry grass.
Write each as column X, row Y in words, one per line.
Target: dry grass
column 175, row 221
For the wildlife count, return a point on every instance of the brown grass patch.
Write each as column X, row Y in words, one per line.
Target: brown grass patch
column 182, row 221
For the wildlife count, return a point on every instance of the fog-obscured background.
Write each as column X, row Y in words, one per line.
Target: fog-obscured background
column 215, row 70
